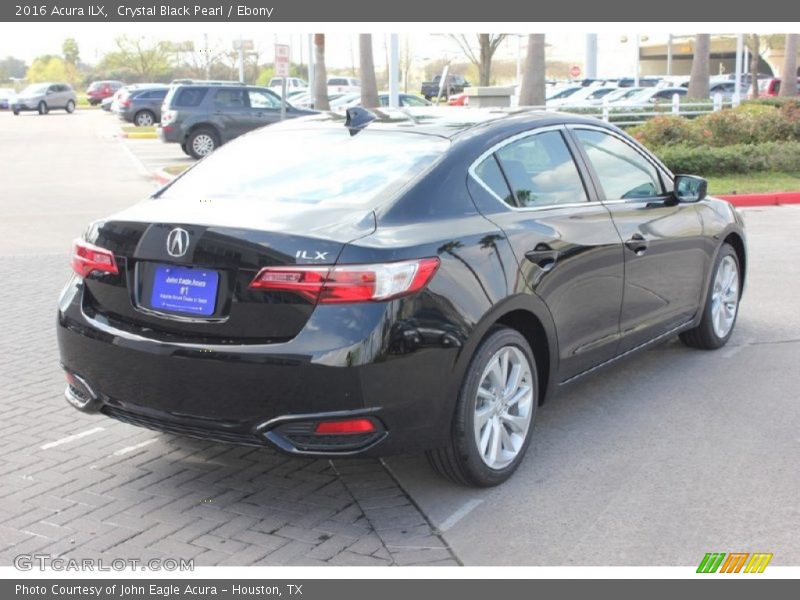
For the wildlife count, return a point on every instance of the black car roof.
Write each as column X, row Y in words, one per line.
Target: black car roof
column 448, row 122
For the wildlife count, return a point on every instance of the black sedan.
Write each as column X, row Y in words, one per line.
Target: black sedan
column 379, row 282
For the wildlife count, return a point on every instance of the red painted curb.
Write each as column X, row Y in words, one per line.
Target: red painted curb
column 161, row 177
column 769, row 199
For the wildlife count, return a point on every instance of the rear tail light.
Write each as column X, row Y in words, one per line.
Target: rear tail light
column 167, row 116
column 126, row 103
column 87, row 258
column 347, row 426
column 349, row 283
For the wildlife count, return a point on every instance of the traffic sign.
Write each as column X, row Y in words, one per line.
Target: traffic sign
column 282, row 60
column 574, row 71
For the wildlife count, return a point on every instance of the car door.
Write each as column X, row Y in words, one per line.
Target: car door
column 55, row 97
column 231, row 111
column 568, row 249
column 663, row 240
column 265, row 107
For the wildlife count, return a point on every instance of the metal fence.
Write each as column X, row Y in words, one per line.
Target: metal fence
column 630, row 115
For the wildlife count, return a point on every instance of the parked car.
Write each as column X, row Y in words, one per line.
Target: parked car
column 652, row 95
column 405, row 100
column 343, row 85
column 42, row 97
column 303, row 99
column 458, row 100
column 585, row 96
column 559, row 93
column 770, row 86
column 203, row 117
column 142, row 106
column 106, row 104
column 7, row 96
column 100, row 90
column 643, row 82
column 725, row 89
column 362, row 285
column 292, row 84
column 621, row 94
column 455, row 84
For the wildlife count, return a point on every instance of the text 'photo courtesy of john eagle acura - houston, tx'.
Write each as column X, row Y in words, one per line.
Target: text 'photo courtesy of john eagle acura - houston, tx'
column 376, row 282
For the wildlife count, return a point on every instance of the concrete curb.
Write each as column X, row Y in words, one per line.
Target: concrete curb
column 769, row 199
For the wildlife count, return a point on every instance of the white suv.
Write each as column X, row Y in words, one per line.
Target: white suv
column 343, row 85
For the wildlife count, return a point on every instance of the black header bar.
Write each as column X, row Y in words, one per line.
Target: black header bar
column 364, row 11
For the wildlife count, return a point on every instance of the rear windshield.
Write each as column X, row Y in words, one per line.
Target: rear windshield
column 311, row 166
column 187, row 97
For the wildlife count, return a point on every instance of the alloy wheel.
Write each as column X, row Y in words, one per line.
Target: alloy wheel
column 203, row 144
column 503, row 407
column 725, row 297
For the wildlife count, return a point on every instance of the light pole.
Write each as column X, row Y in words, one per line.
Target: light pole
column 590, row 56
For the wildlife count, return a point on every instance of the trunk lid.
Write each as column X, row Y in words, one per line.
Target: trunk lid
column 186, row 279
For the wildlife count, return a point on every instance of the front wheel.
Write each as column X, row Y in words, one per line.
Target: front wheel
column 721, row 306
column 70, row 108
column 494, row 415
column 42, row 108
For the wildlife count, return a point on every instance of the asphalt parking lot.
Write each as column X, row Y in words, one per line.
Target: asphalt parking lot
column 670, row 455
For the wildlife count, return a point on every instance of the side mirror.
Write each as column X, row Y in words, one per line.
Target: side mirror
column 688, row 188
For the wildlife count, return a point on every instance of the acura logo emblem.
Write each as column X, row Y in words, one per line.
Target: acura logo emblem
column 177, row 242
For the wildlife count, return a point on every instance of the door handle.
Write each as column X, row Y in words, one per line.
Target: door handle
column 544, row 257
column 637, row 244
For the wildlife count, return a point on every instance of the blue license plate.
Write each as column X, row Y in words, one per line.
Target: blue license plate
column 182, row 290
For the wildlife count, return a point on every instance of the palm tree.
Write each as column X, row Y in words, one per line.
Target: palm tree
column 533, row 78
column 698, row 80
column 789, row 74
column 320, row 74
column 369, row 87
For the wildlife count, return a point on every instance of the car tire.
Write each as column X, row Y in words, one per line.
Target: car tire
column 144, row 118
column 16, row 112
column 202, row 142
column 185, row 149
column 70, row 108
column 476, row 454
column 42, row 108
column 721, row 307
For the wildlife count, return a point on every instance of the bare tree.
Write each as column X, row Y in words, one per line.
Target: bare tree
column 698, row 80
column 488, row 43
column 369, row 87
column 533, row 76
column 789, row 74
column 320, row 74
column 406, row 58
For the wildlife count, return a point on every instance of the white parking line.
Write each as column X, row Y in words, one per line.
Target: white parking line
column 128, row 449
column 462, row 512
column 72, row 438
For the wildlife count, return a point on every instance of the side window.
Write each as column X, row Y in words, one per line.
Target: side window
column 413, row 101
column 189, row 97
column 490, row 175
column 623, row 172
column 260, row 99
column 541, row 171
column 230, row 99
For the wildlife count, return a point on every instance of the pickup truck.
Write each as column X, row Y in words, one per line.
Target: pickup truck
column 455, row 85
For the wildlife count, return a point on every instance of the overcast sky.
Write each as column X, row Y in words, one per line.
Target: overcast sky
column 28, row 40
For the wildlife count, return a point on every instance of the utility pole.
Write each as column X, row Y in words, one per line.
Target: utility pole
column 241, row 59
column 206, row 56
column 737, row 89
column 669, row 55
column 394, row 70
column 636, row 72
column 590, row 56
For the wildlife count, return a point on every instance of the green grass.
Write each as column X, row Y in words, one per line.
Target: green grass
column 176, row 169
column 754, row 183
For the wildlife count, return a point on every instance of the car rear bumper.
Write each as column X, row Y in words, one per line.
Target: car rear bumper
column 263, row 394
column 170, row 134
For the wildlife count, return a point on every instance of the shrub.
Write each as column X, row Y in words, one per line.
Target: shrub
column 666, row 130
column 737, row 158
column 750, row 123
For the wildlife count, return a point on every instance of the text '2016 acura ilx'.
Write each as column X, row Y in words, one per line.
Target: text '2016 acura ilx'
column 380, row 282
